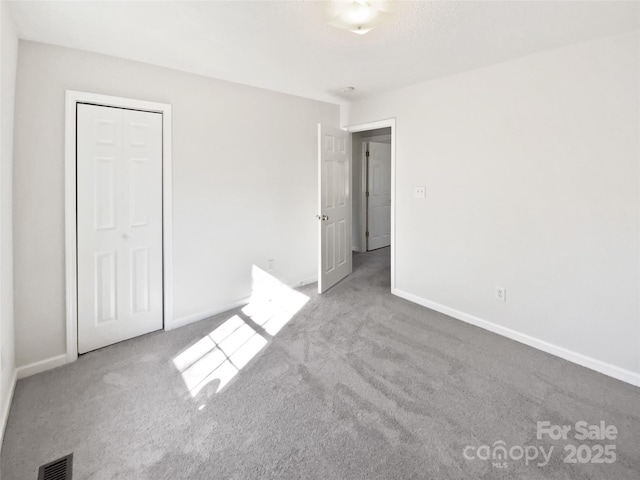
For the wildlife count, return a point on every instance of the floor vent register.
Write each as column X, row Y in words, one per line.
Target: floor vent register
column 59, row 469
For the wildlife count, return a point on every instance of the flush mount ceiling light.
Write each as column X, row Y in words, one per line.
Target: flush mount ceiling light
column 359, row 16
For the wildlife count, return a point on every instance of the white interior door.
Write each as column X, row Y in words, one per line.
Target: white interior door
column 379, row 199
column 335, row 206
column 119, row 224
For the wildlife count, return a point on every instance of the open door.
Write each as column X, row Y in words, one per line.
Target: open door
column 378, row 195
column 334, row 201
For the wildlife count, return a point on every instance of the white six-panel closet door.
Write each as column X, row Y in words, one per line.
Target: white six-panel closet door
column 119, row 224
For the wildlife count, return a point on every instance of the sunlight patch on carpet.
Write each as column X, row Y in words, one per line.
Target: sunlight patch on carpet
column 272, row 302
column 220, row 355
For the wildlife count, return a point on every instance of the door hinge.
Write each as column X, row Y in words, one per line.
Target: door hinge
column 366, row 234
column 366, row 194
column 367, row 153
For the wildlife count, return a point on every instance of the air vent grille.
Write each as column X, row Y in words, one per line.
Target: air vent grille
column 59, row 469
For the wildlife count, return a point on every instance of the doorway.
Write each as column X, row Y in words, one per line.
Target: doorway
column 342, row 180
column 373, row 186
column 118, row 260
column 371, row 190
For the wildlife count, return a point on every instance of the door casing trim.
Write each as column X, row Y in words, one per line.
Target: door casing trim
column 72, row 98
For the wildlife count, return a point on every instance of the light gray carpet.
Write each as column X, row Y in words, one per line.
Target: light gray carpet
column 358, row 385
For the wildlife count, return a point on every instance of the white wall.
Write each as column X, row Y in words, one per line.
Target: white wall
column 8, row 58
column 244, row 185
column 532, row 175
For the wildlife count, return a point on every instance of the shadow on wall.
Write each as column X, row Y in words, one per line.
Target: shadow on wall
column 220, row 355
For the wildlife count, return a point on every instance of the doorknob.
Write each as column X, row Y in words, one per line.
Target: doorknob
column 126, row 237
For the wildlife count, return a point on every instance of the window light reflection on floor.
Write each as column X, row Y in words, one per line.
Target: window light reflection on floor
column 272, row 302
column 220, row 355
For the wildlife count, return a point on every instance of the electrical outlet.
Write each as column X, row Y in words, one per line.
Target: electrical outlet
column 420, row 192
column 271, row 265
column 501, row 294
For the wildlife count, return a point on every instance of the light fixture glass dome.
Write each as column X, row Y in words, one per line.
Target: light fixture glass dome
column 358, row 16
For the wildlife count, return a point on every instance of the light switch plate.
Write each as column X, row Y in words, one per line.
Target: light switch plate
column 420, row 192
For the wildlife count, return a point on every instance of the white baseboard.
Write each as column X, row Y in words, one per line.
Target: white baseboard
column 614, row 371
column 7, row 406
column 305, row 281
column 196, row 317
column 53, row 362
column 41, row 366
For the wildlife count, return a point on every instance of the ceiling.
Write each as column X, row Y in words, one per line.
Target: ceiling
column 287, row 46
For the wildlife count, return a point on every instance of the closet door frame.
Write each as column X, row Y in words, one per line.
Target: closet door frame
column 72, row 99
